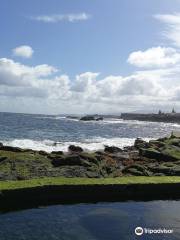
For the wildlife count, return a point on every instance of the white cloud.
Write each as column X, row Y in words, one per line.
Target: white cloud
column 155, row 57
column 172, row 31
column 23, row 51
column 84, row 81
column 16, row 74
column 62, row 17
column 88, row 91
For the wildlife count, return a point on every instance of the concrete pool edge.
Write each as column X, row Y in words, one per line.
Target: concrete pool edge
column 11, row 199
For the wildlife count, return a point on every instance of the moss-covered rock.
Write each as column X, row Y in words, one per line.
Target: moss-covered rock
column 158, row 157
column 112, row 149
column 136, row 170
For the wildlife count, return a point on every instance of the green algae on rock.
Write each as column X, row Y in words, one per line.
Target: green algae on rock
column 159, row 157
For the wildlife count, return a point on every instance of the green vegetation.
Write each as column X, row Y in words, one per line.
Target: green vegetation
column 24, row 164
column 9, row 185
column 159, row 157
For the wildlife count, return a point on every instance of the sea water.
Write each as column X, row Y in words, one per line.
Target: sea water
column 53, row 133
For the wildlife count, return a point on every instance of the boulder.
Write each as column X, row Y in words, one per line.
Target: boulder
column 168, row 171
column 150, row 153
column 76, row 149
column 165, row 154
column 112, row 149
column 91, row 157
column 57, row 152
column 136, row 170
column 43, row 153
column 91, row 118
column 57, row 161
column 12, row 149
column 69, row 160
column 87, row 118
column 91, row 174
column 140, row 143
column 99, row 119
column 156, row 144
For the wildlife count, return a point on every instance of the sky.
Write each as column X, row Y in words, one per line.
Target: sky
column 89, row 56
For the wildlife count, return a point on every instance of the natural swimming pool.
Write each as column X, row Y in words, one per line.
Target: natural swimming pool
column 100, row 221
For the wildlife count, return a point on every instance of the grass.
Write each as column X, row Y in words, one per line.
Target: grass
column 10, row 185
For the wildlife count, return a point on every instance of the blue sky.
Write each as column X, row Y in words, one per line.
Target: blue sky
column 100, row 43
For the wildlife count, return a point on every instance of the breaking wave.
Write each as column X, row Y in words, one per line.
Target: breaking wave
column 89, row 144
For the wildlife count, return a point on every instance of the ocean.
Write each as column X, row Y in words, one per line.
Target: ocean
column 54, row 133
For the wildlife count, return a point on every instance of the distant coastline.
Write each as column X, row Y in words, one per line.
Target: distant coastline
column 153, row 117
column 172, row 117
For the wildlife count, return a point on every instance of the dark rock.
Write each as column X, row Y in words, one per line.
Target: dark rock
column 175, row 142
column 69, row 160
column 158, row 174
column 57, row 152
column 112, row 149
column 43, row 153
column 57, row 161
column 164, row 155
column 1, row 145
column 91, row 118
column 150, row 153
column 73, row 171
column 120, row 156
column 99, row 119
column 76, row 149
column 156, row 144
column 136, row 169
column 12, row 149
column 88, row 118
column 2, row 159
column 55, row 144
column 168, row 171
column 129, row 148
column 140, row 143
column 99, row 152
column 90, row 157
column 91, row 174
column 19, row 177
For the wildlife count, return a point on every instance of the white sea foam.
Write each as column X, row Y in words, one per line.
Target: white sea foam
column 89, row 145
column 114, row 121
column 51, row 117
column 137, row 122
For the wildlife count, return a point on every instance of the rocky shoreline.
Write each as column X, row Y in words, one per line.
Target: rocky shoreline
column 159, row 157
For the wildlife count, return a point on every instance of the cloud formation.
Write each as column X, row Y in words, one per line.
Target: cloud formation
column 88, row 91
column 74, row 17
column 23, row 51
column 172, row 30
column 155, row 57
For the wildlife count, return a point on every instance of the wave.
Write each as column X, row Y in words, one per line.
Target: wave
column 113, row 121
column 51, row 117
column 88, row 145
